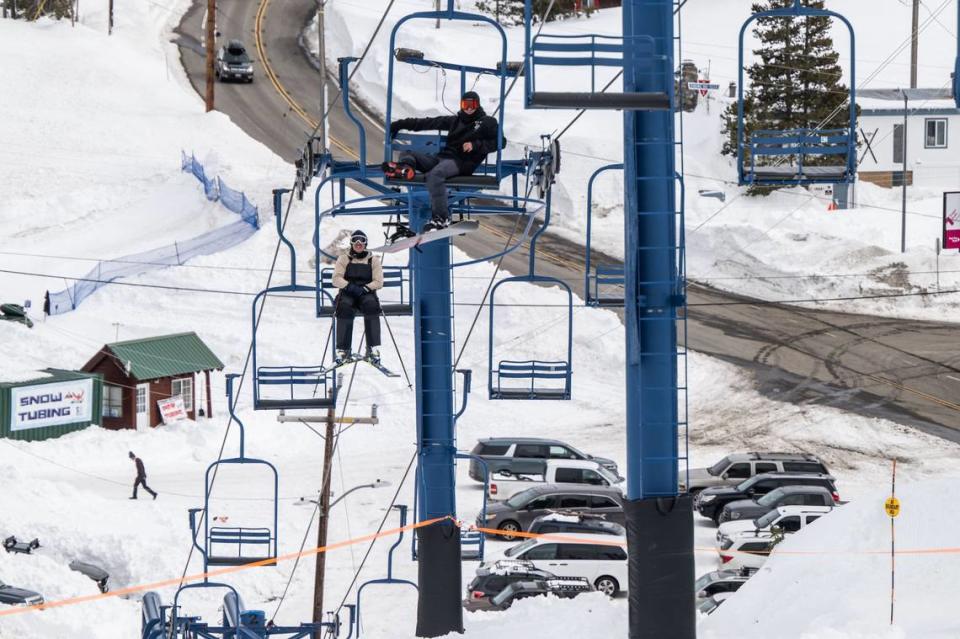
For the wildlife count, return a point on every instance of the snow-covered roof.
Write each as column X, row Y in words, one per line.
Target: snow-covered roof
column 919, row 101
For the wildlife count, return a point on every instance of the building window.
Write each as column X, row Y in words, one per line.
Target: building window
column 112, row 401
column 183, row 388
column 898, row 143
column 935, row 136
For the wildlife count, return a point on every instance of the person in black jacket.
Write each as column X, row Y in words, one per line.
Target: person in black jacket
column 141, row 479
column 471, row 135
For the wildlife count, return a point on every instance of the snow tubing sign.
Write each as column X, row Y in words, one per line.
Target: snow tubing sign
column 50, row 404
column 951, row 220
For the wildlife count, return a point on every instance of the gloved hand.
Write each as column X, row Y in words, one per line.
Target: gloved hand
column 395, row 128
column 353, row 290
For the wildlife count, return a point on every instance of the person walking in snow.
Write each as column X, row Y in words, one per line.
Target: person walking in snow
column 141, row 479
column 471, row 136
column 359, row 275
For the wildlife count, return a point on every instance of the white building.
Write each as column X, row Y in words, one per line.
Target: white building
column 932, row 137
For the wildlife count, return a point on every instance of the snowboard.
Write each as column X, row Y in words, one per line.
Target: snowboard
column 460, row 228
column 356, row 357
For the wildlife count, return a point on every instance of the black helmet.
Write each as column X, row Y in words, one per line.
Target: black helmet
column 470, row 99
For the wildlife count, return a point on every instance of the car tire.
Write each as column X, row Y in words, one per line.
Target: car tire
column 509, row 527
column 607, row 585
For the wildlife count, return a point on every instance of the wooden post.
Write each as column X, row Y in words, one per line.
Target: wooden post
column 913, row 44
column 110, row 19
column 210, row 46
column 319, row 574
column 209, row 402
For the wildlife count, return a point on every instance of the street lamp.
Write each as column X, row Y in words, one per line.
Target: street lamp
column 322, row 540
column 303, row 501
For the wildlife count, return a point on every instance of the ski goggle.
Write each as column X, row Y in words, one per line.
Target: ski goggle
column 358, row 240
column 469, row 103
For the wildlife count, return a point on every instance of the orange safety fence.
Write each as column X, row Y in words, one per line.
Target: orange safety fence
column 217, row 573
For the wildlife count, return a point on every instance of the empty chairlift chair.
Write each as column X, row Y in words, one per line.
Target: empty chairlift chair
column 236, row 545
column 603, row 285
column 796, row 156
column 589, row 51
column 530, row 379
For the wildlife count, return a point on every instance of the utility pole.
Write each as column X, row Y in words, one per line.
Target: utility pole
column 110, row 19
column 210, row 45
column 324, row 504
column 903, row 213
column 436, row 5
column 321, row 34
column 914, row 43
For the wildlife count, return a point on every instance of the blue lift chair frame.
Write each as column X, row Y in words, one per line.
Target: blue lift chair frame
column 237, row 622
column 235, row 536
column 295, row 379
column 531, row 370
column 799, row 143
column 488, row 177
column 590, row 50
column 389, row 579
column 603, row 275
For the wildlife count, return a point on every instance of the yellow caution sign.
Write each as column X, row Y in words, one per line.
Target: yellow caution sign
column 892, row 506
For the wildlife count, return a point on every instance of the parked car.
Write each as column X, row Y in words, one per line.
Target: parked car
column 788, row 519
column 96, row 573
column 575, row 521
column 552, row 471
column 519, row 455
column 721, row 581
column 497, row 586
column 19, row 596
column 733, row 469
column 518, row 512
column 233, row 63
column 750, row 509
column 601, row 559
column 747, row 550
column 708, row 605
column 710, row 501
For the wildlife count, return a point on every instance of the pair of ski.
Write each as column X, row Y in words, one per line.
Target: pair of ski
column 356, row 357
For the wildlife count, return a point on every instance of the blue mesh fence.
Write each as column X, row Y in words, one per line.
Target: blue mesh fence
column 174, row 254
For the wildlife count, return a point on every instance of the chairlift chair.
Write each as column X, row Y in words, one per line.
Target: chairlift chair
column 590, row 50
column 768, row 149
column 530, row 379
column 599, row 281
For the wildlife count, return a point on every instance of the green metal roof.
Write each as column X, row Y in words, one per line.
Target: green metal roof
column 165, row 356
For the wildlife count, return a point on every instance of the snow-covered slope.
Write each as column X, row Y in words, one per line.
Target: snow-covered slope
column 72, row 492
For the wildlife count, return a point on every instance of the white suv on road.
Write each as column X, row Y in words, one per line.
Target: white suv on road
column 602, row 559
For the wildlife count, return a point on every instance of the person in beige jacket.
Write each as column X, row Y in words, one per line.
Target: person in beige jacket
column 359, row 275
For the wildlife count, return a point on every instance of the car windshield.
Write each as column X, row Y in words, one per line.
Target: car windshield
column 771, row 498
column 516, row 550
column 520, row 499
column 746, row 484
column 702, row 582
column 766, row 520
column 719, row 467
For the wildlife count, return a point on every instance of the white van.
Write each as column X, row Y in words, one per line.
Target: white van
column 600, row 558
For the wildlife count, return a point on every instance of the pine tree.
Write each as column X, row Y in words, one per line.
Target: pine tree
column 510, row 12
column 795, row 82
column 27, row 9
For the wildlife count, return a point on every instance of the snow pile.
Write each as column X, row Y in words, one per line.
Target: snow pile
column 783, row 247
column 837, row 583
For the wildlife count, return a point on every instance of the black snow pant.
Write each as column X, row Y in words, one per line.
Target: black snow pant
column 347, row 308
column 142, row 481
column 436, row 170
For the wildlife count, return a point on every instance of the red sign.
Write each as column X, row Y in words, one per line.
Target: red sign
column 172, row 409
column 703, row 91
column 951, row 220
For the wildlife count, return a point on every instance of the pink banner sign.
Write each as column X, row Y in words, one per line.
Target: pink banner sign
column 951, row 220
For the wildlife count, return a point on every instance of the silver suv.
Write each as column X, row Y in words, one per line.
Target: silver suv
column 733, row 469
column 525, row 455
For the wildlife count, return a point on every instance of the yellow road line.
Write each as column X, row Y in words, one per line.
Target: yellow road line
column 261, row 50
